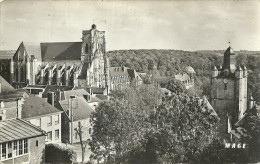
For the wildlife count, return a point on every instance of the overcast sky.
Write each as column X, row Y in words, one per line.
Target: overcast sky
column 191, row 25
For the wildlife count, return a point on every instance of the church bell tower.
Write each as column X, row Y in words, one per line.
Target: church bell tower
column 228, row 94
column 94, row 57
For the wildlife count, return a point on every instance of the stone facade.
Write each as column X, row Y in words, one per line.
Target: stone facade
column 228, row 94
column 66, row 63
column 51, row 124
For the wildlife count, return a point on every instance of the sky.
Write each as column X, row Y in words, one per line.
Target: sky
column 180, row 25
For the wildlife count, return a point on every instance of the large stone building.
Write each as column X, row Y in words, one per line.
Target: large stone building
column 229, row 93
column 63, row 63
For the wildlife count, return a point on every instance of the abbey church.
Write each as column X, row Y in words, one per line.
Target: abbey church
column 63, row 63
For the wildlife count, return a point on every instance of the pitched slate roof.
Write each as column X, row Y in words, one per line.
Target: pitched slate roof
column 33, row 49
column 81, row 109
column 15, row 129
column 96, row 90
column 189, row 69
column 61, row 51
column 118, row 71
column 35, row 107
column 53, row 88
column 182, row 77
column 78, row 93
column 229, row 51
column 5, row 86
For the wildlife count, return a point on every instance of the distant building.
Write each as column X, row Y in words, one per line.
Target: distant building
column 187, row 78
column 76, row 109
column 121, row 77
column 43, row 115
column 21, row 142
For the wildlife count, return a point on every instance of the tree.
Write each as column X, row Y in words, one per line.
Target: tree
column 82, row 143
column 184, row 127
column 117, row 130
column 175, row 86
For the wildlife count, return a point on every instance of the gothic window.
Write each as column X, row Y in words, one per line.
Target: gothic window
column 86, row 48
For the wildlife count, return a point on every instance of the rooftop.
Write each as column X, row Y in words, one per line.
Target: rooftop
column 5, row 86
column 35, row 106
column 81, row 109
column 61, row 51
column 182, row 77
column 53, row 88
column 15, row 129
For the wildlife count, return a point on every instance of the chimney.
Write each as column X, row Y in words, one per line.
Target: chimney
column 19, row 108
column 50, row 98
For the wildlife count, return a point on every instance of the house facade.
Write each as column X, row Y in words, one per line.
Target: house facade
column 76, row 109
column 43, row 115
column 21, row 142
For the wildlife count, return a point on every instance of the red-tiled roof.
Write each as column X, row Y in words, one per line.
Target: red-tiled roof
column 81, row 108
column 61, row 51
column 36, row 106
column 15, row 129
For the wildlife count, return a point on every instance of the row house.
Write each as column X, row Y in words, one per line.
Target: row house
column 43, row 115
column 20, row 141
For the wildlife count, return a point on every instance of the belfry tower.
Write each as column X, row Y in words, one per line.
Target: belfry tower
column 228, row 94
column 94, row 57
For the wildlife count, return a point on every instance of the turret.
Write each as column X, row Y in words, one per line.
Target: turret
column 239, row 72
column 214, row 72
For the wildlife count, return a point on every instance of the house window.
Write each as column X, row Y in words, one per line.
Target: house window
column 49, row 136
column 57, row 134
column 20, row 147
column 57, row 119
column 49, row 122
column 10, row 151
column 15, row 148
column 25, row 146
column 4, row 151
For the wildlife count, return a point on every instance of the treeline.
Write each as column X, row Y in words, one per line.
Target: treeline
column 170, row 62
